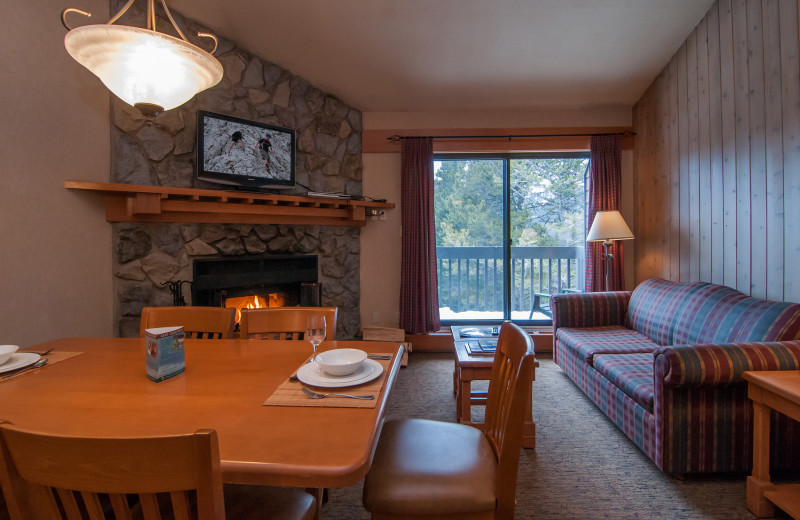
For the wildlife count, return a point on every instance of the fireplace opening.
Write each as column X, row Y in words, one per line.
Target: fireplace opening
column 257, row 282
column 256, row 301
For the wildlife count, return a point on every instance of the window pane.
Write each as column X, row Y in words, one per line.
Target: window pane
column 547, row 232
column 469, row 238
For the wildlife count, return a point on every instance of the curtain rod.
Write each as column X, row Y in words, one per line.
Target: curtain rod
column 396, row 137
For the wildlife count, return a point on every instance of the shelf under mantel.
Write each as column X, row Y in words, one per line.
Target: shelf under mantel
column 137, row 203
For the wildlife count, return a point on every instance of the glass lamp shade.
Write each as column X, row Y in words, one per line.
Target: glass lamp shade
column 143, row 66
column 608, row 225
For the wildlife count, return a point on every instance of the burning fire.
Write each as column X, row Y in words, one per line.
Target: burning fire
column 258, row 301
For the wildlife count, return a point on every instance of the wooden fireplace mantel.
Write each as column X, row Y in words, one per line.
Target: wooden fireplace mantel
column 136, row 203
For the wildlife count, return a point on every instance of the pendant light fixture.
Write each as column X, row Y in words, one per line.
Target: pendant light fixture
column 147, row 69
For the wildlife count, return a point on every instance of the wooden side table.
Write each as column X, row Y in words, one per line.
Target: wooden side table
column 469, row 368
column 771, row 390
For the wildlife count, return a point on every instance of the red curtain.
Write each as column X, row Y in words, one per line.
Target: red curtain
column 605, row 181
column 419, row 296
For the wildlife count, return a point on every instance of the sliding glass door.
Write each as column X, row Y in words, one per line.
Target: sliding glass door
column 510, row 231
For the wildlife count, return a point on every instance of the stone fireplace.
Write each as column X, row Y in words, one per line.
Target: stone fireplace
column 148, row 257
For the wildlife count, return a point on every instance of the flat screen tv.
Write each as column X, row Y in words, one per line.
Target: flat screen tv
column 244, row 154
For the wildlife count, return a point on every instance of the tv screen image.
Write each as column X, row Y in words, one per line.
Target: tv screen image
column 244, row 153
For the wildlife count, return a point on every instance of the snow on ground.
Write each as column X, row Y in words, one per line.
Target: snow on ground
column 445, row 313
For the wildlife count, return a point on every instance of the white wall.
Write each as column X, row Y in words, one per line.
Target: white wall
column 55, row 244
column 380, row 244
column 380, row 241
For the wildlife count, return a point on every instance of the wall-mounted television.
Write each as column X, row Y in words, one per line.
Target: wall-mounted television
column 244, row 154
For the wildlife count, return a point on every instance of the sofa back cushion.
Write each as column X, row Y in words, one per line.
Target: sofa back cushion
column 654, row 307
column 719, row 314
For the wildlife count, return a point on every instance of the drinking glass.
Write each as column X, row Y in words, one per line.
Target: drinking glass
column 315, row 331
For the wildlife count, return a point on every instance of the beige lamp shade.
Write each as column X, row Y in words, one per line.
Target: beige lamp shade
column 143, row 66
column 609, row 225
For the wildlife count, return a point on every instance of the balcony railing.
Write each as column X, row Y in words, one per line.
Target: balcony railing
column 471, row 278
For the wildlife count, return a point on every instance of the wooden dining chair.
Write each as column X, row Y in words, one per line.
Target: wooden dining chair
column 284, row 322
column 177, row 476
column 440, row 470
column 197, row 322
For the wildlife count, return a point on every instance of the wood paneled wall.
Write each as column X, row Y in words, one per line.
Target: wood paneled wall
column 717, row 155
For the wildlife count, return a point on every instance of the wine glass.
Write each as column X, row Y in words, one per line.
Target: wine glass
column 315, row 331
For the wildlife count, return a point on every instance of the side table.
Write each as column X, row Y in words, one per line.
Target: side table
column 771, row 390
column 469, row 368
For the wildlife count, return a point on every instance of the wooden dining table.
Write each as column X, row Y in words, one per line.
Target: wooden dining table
column 104, row 392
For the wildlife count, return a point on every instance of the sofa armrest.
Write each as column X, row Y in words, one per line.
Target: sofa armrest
column 589, row 309
column 703, row 418
column 722, row 364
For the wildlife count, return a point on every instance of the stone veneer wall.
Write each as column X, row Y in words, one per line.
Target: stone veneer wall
column 149, row 256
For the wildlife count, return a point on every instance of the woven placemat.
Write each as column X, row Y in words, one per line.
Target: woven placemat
column 54, row 357
column 290, row 393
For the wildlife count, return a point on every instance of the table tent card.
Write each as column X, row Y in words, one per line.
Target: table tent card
column 164, row 352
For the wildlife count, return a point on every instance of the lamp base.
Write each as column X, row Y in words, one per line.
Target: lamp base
column 149, row 110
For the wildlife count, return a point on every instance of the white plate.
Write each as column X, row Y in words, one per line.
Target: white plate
column 311, row 374
column 20, row 360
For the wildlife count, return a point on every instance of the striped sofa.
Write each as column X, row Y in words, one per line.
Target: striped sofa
column 665, row 364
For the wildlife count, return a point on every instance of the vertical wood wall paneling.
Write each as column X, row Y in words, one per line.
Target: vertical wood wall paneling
column 683, row 146
column 728, row 143
column 674, row 255
column 640, row 182
column 758, row 158
column 790, row 72
column 659, row 208
column 693, row 101
column 742, row 110
column 704, row 150
column 717, row 214
column 718, row 154
column 649, row 214
column 774, row 149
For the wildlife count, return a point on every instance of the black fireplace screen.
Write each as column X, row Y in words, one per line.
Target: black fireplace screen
column 295, row 276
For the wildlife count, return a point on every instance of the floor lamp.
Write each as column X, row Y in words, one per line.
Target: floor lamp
column 607, row 227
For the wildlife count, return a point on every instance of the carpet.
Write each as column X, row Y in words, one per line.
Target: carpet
column 583, row 467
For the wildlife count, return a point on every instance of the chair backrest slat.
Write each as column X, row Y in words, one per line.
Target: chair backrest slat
column 150, row 509
column 197, row 322
column 284, row 322
column 92, row 503
column 67, row 499
column 180, row 505
column 119, row 503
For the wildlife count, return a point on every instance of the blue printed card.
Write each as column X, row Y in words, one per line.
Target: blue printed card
column 164, row 352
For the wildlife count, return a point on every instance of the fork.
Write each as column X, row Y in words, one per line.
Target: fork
column 39, row 364
column 315, row 395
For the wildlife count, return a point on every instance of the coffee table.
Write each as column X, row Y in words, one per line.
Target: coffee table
column 771, row 390
column 469, row 368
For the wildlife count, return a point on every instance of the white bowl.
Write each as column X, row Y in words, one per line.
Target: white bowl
column 6, row 351
column 341, row 361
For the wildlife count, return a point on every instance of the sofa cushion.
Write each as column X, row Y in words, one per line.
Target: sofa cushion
column 719, row 314
column 631, row 373
column 654, row 307
column 586, row 343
